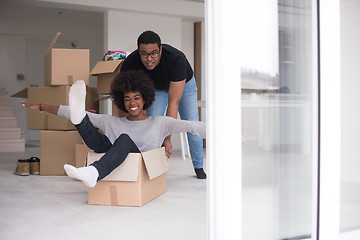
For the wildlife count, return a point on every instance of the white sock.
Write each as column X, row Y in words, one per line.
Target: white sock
column 88, row 175
column 77, row 96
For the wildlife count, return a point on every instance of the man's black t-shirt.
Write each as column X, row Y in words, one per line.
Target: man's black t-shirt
column 173, row 66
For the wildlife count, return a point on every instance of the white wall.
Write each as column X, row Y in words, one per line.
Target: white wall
column 187, row 41
column 25, row 34
column 124, row 28
column 350, row 74
column 185, row 9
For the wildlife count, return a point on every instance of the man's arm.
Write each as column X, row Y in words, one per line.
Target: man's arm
column 176, row 90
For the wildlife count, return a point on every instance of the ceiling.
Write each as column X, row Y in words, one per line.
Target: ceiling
column 186, row 9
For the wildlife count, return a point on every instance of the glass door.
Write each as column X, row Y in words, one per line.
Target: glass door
column 262, row 119
column 278, row 101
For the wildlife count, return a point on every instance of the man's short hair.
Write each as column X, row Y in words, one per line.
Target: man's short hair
column 149, row 37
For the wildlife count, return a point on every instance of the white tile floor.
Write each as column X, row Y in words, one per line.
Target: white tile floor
column 55, row 207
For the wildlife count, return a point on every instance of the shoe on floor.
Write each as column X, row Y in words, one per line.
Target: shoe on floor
column 22, row 167
column 200, row 174
column 34, row 165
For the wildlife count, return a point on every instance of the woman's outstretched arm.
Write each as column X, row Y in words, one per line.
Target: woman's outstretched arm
column 41, row 107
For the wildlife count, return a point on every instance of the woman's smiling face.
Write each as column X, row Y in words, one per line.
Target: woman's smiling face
column 134, row 104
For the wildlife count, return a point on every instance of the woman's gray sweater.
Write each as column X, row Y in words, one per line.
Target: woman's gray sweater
column 147, row 134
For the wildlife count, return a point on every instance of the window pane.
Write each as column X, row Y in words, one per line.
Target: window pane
column 277, row 120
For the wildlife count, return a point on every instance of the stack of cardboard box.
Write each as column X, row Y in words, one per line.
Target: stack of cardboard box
column 141, row 178
column 58, row 136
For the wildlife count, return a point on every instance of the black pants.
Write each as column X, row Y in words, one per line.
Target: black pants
column 115, row 154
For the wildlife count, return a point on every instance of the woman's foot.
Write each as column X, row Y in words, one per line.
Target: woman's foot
column 88, row 175
column 77, row 96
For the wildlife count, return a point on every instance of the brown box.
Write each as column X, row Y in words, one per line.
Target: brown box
column 57, row 148
column 53, row 96
column 81, row 152
column 66, row 66
column 105, row 72
column 138, row 180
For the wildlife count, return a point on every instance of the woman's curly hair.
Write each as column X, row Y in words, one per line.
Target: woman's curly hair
column 132, row 81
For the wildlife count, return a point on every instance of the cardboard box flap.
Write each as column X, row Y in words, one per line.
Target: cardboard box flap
column 21, row 94
column 155, row 162
column 127, row 171
column 53, row 41
column 105, row 67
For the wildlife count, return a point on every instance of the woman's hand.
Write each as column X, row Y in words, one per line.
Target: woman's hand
column 41, row 107
column 30, row 105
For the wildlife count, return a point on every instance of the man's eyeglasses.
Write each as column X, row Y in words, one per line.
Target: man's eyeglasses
column 152, row 54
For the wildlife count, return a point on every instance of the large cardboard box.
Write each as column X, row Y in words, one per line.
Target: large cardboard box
column 105, row 72
column 53, row 96
column 81, row 152
column 57, row 148
column 138, row 180
column 66, row 66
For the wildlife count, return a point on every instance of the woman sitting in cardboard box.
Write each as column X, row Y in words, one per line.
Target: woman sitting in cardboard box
column 132, row 92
